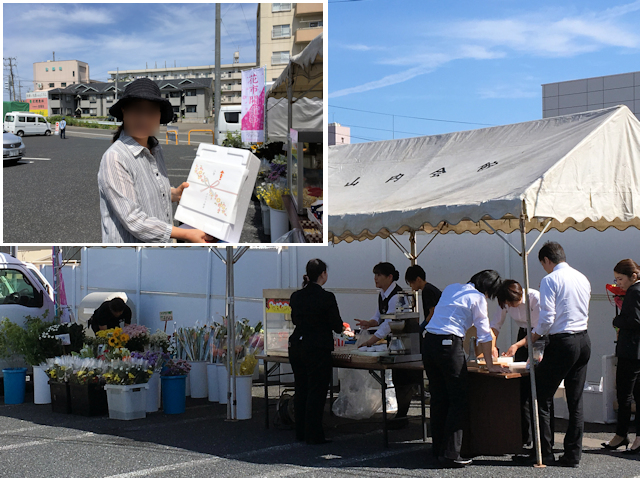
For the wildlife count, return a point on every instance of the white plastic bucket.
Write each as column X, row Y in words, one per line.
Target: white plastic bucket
column 279, row 223
column 243, row 396
column 212, row 381
column 41, row 389
column 222, row 383
column 198, row 380
column 127, row 402
column 153, row 393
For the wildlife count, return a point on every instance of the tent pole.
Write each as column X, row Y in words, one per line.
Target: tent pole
column 231, row 339
column 414, row 256
column 532, row 374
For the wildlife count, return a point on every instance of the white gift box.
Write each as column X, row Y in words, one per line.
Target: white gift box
column 221, row 182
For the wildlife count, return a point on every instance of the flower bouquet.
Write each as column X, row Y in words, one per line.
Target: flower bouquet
column 139, row 337
column 128, row 372
column 111, row 344
column 159, row 341
column 175, row 366
column 156, row 360
column 191, row 343
column 87, row 370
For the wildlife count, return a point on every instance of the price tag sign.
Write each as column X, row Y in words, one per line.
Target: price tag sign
column 64, row 338
column 166, row 316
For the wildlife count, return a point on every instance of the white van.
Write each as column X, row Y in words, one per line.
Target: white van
column 23, row 291
column 229, row 121
column 21, row 123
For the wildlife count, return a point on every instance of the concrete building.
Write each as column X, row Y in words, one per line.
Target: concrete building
column 339, row 134
column 192, row 98
column 230, row 77
column 283, row 30
column 588, row 94
column 59, row 74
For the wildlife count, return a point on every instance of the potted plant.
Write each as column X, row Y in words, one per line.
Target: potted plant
column 12, row 338
column 126, row 385
column 86, row 387
column 173, row 377
column 138, row 337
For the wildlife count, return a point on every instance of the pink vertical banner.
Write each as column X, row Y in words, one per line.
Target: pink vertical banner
column 252, row 109
column 63, row 308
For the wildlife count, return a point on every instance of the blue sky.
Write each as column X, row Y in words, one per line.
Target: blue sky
column 474, row 61
column 125, row 35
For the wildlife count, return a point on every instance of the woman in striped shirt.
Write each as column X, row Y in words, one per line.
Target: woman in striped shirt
column 135, row 193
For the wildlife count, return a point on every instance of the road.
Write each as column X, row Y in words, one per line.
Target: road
column 52, row 195
column 36, row 443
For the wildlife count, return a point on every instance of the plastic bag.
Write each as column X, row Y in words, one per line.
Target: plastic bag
column 360, row 396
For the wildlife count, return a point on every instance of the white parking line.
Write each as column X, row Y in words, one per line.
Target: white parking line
column 160, row 469
column 47, row 441
column 38, row 159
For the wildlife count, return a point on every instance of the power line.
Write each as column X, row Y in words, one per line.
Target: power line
column 345, row 1
column 247, row 22
column 382, row 129
column 411, row 117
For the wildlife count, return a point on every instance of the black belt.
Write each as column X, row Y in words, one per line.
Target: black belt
column 568, row 334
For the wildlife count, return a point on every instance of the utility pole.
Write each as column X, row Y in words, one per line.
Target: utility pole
column 117, row 73
column 11, row 62
column 216, row 92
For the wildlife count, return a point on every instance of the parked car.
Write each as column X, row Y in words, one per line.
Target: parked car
column 21, row 123
column 13, row 148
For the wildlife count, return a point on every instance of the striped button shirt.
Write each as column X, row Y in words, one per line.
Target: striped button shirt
column 135, row 193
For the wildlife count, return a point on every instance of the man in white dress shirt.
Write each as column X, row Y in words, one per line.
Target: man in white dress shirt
column 564, row 316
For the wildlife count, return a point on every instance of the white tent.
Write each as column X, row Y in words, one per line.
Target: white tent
column 303, row 75
column 580, row 170
column 307, row 115
column 576, row 171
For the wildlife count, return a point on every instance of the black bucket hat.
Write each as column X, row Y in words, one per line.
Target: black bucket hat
column 145, row 89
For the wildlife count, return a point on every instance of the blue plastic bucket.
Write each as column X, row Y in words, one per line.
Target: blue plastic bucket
column 174, row 397
column 15, row 382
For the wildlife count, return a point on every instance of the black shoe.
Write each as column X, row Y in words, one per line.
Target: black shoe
column 449, row 463
column 530, row 459
column 567, row 463
column 397, row 423
column 624, row 443
column 632, row 451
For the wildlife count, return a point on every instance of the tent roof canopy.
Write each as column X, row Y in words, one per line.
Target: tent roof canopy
column 576, row 171
column 307, row 69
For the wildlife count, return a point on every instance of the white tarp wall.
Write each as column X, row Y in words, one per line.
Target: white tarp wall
column 307, row 114
column 176, row 278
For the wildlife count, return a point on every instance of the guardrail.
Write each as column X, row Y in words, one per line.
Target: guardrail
column 166, row 135
column 201, row 131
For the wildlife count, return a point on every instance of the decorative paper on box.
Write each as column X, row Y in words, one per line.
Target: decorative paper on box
column 278, row 306
column 221, row 182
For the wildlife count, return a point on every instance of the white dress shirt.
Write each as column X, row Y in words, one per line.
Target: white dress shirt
column 564, row 301
column 385, row 328
column 519, row 314
column 460, row 307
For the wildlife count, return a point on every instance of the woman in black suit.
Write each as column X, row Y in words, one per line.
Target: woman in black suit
column 627, row 274
column 314, row 312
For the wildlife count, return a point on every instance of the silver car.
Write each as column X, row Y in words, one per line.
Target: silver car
column 13, row 148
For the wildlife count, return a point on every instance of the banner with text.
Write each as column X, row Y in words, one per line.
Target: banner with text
column 252, row 106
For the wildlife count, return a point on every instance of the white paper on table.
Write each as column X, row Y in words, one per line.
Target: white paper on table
column 193, row 214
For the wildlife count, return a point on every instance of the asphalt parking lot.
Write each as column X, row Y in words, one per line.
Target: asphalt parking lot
column 51, row 196
column 34, row 442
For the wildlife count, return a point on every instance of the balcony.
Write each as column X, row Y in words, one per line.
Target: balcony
column 231, row 87
column 305, row 35
column 308, row 9
column 231, row 76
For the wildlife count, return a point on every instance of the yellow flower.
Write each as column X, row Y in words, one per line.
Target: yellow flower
column 112, row 341
column 117, row 330
column 131, row 376
column 116, row 333
column 124, row 338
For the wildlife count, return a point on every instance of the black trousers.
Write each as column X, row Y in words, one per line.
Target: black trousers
column 526, row 414
column 565, row 358
column 312, row 369
column 446, row 369
column 62, row 135
column 405, row 383
column 628, row 389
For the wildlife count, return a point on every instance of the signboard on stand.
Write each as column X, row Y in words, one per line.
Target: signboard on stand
column 252, row 108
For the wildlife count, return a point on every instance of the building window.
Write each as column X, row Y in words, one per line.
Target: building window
column 191, row 108
column 93, row 111
column 315, row 24
column 174, row 94
column 46, row 69
column 109, row 98
column 93, row 99
column 73, row 73
column 55, row 111
column 63, row 85
column 190, row 93
column 85, row 111
column 55, row 97
column 68, row 97
column 53, row 69
column 84, row 98
column 280, row 7
column 281, row 31
column 176, row 109
column 51, row 85
column 280, row 58
column 59, row 68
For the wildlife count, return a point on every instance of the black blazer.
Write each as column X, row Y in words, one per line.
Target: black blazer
column 314, row 312
column 629, row 324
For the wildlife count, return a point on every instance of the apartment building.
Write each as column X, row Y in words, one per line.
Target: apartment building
column 575, row 96
column 230, row 77
column 191, row 98
column 284, row 30
column 59, row 74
